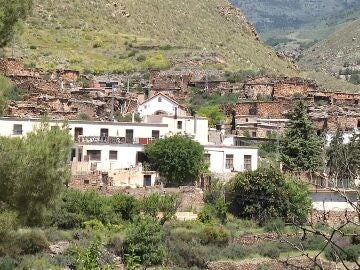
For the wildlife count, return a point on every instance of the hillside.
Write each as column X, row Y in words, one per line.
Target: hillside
column 269, row 15
column 293, row 26
column 123, row 35
column 341, row 50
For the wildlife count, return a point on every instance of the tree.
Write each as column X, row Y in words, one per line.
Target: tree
column 34, row 170
column 343, row 160
column 11, row 12
column 265, row 194
column 145, row 239
column 213, row 113
column 301, row 149
column 156, row 204
column 5, row 88
column 177, row 158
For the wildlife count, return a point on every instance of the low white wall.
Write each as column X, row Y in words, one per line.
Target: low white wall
column 331, row 201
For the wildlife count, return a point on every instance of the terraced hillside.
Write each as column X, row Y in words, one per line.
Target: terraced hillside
column 125, row 35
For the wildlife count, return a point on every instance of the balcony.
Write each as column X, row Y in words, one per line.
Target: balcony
column 113, row 140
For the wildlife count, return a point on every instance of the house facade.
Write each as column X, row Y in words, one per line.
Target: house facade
column 117, row 149
column 161, row 104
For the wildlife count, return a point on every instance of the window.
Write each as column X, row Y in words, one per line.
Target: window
column 113, row 155
column 179, row 124
column 17, row 129
column 254, row 135
column 86, row 182
column 155, row 134
column 253, row 111
column 207, row 158
column 104, row 132
column 78, row 132
column 160, row 99
column 129, row 136
column 94, row 155
column 247, row 162
column 358, row 124
column 229, row 164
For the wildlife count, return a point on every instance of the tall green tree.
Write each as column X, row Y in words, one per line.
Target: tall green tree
column 178, row 158
column 5, row 88
column 11, row 12
column 301, row 149
column 33, row 171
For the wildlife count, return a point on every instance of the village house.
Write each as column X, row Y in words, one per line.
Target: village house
column 117, row 149
column 161, row 104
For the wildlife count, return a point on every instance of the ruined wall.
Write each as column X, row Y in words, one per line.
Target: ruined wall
column 15, row 66
column 263, row 109
column 169, row 81
column 291, row 89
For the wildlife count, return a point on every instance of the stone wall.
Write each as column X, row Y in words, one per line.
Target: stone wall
column 263, row 109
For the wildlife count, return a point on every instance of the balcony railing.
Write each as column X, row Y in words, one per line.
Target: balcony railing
column 113, row 140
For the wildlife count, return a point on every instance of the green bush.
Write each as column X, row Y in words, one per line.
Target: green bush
column 274, row 225
column 145, row 238
column 116, row 242
column 271, row 251
column 38, row 263
column 94, row 224
column 206, row 215
column 125, row 206
column 213, row 234
column 8, row 221
column 8, row 263
column 32, row 242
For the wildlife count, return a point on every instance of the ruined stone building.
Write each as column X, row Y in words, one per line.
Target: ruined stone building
column 272, row 99
column 58, row 94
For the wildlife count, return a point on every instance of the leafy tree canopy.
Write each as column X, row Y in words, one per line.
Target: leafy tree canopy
column 11, row 12
column 265, row 194
column 177, row 158
column 34, row 170
column 301, row 149
column 213, row 113
column 343, row 160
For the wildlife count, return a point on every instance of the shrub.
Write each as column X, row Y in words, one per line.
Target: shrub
column 206, row 215
column 141, row 58
column 145, row 238
column 94, row 224
column 266, row 193
column 214, row 235
column 274, row 225
column 32, row 242
column 125, row 206
column 271, row 251
column 37, row 262
column 8, row 221
column 116, row 242
column 8, row 263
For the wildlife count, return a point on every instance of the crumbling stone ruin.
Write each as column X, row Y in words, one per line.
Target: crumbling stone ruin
column 274, row 98
column 58, row 94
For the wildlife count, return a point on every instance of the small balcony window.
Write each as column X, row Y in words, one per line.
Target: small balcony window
column 17, row 130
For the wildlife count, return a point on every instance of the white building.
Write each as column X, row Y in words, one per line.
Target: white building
column 161, row 104
column 117, row 147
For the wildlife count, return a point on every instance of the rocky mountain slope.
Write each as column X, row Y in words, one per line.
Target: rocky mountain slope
column 125, row 35
column 340, row 51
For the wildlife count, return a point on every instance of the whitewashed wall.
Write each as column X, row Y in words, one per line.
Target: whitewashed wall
column 218, row 158
column 160, row 103
column 331, row 201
